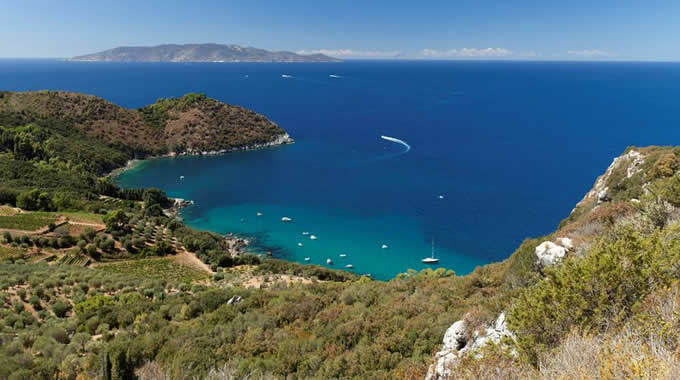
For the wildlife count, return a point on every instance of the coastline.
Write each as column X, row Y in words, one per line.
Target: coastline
column 237, row 244
column 283, row 139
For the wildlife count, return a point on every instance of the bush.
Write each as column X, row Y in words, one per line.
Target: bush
column 593, row 293
column 60, row 309
column 7, row 237
column 18, row 306
column 34, row 300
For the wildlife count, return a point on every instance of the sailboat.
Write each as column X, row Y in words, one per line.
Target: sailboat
column 431, row 259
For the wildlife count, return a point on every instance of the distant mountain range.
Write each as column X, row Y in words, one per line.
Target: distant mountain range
column 199, row 53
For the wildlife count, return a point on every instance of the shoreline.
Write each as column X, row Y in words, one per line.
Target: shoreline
column 236, row 244
column 283, row 139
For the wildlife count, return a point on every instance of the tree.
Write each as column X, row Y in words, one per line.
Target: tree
column 117, row 220
column 153, row 211
column 121, row 366
column 155, row 197
column 28, row 200
column 60, row 309
column 23, row 147
column 34, row 200
column 92, row 252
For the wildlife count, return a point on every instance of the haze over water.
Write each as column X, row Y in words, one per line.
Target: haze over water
column 511, row 146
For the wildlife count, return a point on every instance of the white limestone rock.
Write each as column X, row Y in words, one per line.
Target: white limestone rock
column 633, row 161
column 549, row 254
column 455, row 346
column 455, row 335
column 567, row 243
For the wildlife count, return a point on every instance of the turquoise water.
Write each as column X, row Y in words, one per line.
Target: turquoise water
column 243, row 178
column 512, row 147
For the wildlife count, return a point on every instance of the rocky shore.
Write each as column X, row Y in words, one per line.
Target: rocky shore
column 283, row 139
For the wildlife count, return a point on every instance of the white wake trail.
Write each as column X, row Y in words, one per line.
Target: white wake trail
column 398, row 141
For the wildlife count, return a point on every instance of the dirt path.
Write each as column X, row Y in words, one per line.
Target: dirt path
column 88, row 224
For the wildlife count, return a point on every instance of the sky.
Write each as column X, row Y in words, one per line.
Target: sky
column 373, row 29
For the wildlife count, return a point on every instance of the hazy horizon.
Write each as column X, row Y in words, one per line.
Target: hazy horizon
column 481, row 30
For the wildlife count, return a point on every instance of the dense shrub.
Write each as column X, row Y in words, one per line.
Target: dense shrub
column 593, row 293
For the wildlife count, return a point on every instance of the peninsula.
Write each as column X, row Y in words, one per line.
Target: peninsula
column 199, row 53
column 191, row 124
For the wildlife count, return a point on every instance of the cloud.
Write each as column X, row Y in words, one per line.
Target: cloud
column 353, row 53
column 467, row 53
column 588, row 53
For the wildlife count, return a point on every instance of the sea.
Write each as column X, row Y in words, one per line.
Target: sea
column 480, row 154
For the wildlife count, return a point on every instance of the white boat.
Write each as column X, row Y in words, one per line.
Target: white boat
column 259, row 214
column 384, row 246
column 305, row 233
column 343, row 255
column 181, row 177
column 285, row 76
column 329, row 261
column 441, row 197
column 431, row 259
column 300, row 244
column 349, row 266
column 286, row 219
column 313, row 237
column 307, row 258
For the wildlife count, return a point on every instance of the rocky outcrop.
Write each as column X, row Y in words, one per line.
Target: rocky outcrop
column 456, row 344
column 549, row 253
column 632, row 160
column 283, row 139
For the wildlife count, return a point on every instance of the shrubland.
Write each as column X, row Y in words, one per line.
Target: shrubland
column 609, row 310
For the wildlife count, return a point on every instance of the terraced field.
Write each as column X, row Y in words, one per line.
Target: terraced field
column 156, row 268
column 29, row 221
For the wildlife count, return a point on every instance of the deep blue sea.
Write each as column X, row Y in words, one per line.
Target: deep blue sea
column 511, row 147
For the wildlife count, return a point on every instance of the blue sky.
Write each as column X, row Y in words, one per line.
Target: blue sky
column 446, row 29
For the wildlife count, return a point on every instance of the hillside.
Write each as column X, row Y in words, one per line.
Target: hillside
column 199, row 53
column 99, row 281
column 192, row 123
column 596, row 299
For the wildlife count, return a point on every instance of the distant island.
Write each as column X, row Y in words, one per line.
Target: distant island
column 199, row 53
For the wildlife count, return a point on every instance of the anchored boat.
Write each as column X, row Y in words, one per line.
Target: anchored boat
column 431, row 259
